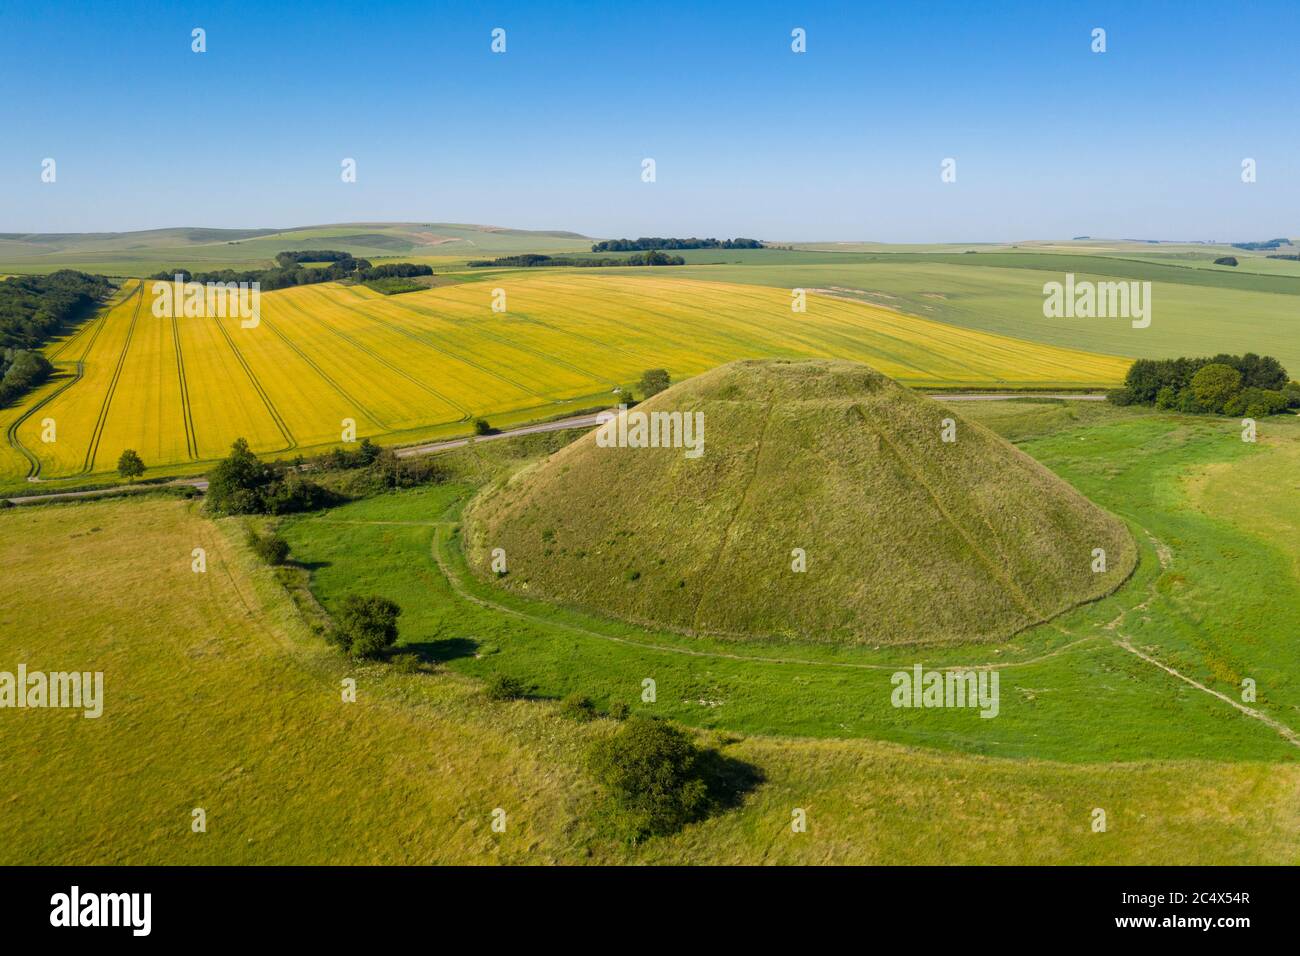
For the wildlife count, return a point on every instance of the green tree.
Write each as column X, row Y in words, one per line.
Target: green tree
column 366, row 625
column 237, row 483
column 1215, row 384
column 654, row 773
column 130, row 466
column 654, row 381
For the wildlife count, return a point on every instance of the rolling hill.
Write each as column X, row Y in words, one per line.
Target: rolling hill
column 907, row 537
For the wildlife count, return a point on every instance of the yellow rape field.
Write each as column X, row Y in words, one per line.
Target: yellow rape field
column 423, row 364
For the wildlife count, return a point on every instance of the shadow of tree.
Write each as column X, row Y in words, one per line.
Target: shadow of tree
column 439, row 652
column 728, row 779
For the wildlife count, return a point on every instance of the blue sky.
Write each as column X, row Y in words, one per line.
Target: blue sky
column 842, row 142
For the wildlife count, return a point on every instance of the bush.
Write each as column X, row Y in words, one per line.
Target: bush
column 271, row 548
column 619, row 710
column 481, row 427
column 294, row 493
column 1215, row 385
column 654, row 381
column 1257, row 403
column 1292, row 395
column 578, row 707
column 654, row 774
column 407, row 663
column 1121, row 396
column 1167, row 397
column 366, row 626
column 505, row 687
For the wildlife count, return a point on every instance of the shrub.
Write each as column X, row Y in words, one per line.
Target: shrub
column 1257, row 403
column 294, row 493
column 1167, row 397
column 481, row 427
column 1121, row 396
column 407, row 663
column 619, row 710
column 578, row 707
column 654, row 774
column 654, row 381
column 366, row 626
column 505, row 687
column 1215, row 384
column 1292, row 395
column 271, row 548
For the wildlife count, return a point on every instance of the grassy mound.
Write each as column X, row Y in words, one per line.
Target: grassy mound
column 906, row 537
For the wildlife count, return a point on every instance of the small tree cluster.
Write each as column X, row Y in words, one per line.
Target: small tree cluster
column 241, row 484
column 1249, row 385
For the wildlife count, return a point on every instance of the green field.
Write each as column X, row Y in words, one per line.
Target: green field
column 1196, row 312
column 224, row 699
column 1080, row 695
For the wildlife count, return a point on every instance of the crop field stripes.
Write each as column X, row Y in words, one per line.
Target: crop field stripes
column 280, row 423
column 374, row 419
column 427, row 338
column 79, row 366
column 397, row 369
column 97, row 432
column 187, row 414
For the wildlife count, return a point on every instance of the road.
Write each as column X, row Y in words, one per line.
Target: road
column 563, row 424
column 1002, row 396
column 412, row 451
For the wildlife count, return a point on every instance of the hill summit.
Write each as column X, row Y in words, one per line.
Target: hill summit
column 810, row 501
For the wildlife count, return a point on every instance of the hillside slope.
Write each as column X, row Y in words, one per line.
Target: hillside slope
column 907, row 538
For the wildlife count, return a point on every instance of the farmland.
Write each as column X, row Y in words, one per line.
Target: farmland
column 423, row 364
column 224, row 700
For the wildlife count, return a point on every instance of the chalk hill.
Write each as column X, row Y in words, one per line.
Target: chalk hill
column 906, row 537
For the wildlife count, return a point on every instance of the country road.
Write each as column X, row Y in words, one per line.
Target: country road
column 411, row 451
column 563, row 424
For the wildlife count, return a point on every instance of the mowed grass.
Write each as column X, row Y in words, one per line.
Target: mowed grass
column 423, row 364
column 216, row 697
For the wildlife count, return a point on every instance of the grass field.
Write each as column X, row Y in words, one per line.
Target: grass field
column 1196, row 311
column 423, row 364
column 1072, row 691
column 217, row 696
column 147, row 252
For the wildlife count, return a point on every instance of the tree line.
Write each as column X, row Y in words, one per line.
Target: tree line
column 293, row 274
column 533, row 260
column 655, row 242
column 33, row 309
column 1250, row 385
